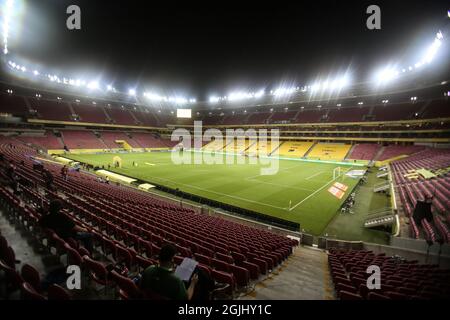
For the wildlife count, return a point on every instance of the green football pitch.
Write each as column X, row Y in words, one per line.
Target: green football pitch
column 298, row 192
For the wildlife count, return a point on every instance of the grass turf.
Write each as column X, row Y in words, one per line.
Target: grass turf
column 304, row 184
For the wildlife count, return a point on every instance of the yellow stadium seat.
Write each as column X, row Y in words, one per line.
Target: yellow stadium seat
column 329, row 151
column 294, row 148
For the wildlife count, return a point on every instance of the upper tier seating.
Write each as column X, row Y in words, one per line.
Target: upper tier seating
column 51, row 110
column 13, row 104
column 258, row 117
column 329, row 151
column 364, row 151
column 212, row 120
column 310, row 116
column 294, row 148
column 146, row 118
column 283, row 116
column 437, row 109
column 121, row 116
column 235, row 119
column 75, row 139
column 354, row 114
column 393, row 112
column 90, row 113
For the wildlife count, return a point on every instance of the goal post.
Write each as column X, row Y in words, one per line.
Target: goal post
column 337, row 172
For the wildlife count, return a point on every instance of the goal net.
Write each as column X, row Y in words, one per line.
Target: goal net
column 337, row 172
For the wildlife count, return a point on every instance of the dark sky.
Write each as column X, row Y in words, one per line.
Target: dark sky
column 202, row 48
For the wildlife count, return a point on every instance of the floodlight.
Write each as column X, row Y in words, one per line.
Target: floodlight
column 386, row 75
column 259, row 94
column 132, row 92
column 315, row 87
column 93, row 85
column 432, row 50
column 214, row 99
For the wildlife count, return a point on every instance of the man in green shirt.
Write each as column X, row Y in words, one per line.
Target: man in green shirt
column 161, row 279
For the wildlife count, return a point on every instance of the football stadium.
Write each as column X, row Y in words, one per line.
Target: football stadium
column 328, row 183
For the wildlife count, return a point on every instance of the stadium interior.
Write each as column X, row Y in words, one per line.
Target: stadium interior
column 352, row 170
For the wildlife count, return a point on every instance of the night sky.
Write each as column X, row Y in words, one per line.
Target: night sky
column 203, row 48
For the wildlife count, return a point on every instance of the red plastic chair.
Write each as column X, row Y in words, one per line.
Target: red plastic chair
column 31, row 275
column 29, row 293
column 127, row 288
column 56, row 292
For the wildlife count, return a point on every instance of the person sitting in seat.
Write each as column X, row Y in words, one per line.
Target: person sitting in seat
column 64, row 227
column 161, row 280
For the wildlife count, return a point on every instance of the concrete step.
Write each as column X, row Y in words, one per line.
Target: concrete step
column 304, row 276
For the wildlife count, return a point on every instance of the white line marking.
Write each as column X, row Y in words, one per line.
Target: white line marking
column 222, row 194
column 314, row 175
column 312, row 194
column 278, row 185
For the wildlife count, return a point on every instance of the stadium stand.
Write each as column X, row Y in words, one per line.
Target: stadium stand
column 283, row 116
column 364, row 151
column 76, row 139
column 393, row 112
column 13, row 104
column 259, row 117
column 110, row 138
column 47, row 141
column 402, row 280
column 295, row 148
column 239, row 145
column 392, row 151
column 120, row 116
column 215, row 145
column 309, row 116
column 413, row 189
column 353, row 114
column 147, row 140
column 146, row 118
column 89, row 113
column 130, row 226
column 51, row 110
column 436, row 109
column 329, row 151
column 263, row 148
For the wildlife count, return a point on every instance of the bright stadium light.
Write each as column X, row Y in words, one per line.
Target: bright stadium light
column 6, row 15
column 132, row 92
column 386, row 75
column 433, row 49
column 282, row 91
column 214, row 99
column 259, row 94
column 239, row 95
column 93, row 85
